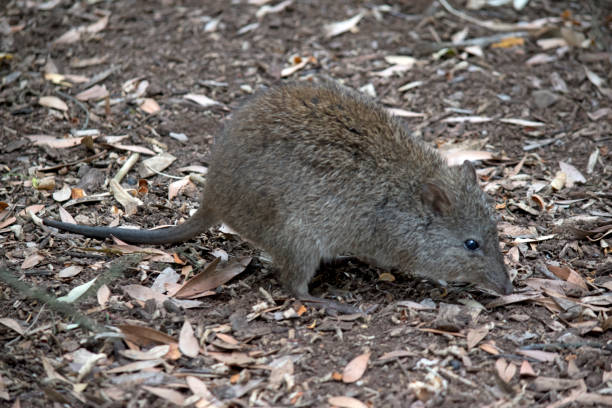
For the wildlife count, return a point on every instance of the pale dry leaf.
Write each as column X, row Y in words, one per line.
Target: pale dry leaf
column 156, row 164
column 65, row 216
column 166, row 277
column 70, row 271
column 31, row 261
column 135, row 366
column 194, row 169
column 48, row 5
column 346, row 402
column 201, row 100
column 77, row 292
column 50, row 371
column 594, row 78
column 549, row 43
column 505, row 370
column 150, row 106
column 128, row 201
column 188, row 343
column 459, row 36
column 573, row 175
column 103, row 295
column 154, row 353
column 167, row 394
column 514, row 254
column 401, row 60
column 410, row 85
column 58, row 143
column 12, row 324
column 392, row 70
column 540, row 59
column 281, row 369
column 295, row 67
column 176, row 186
column 98, row 25
column 474, row 336
column 355, row 369
column 232, row 359
column 600, row 114
column 475, row 50
column 53, row 102
column 522, row 122
column 539, row 355
column 337, row 28
column 267, row 9
column 62, row 195
column 88, row 62
column 526, row 370
column 143, row 293
column 559, row 181
column 199, row 388
column 132, row 148
column 467, row 119
column 94, row 93
column 457, row 157
column 404, row 113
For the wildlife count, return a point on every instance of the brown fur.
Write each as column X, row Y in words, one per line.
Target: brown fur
column 311, row 171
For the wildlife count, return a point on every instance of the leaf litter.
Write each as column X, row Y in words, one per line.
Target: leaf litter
column 255, row 348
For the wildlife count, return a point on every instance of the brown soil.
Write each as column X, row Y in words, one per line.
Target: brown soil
column 173, row 45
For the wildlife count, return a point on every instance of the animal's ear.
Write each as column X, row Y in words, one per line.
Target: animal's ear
column 435, row 198
column 469, row 172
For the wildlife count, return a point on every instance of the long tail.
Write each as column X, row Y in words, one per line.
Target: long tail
column 195, row 225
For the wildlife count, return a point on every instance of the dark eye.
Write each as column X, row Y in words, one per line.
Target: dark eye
column 471, row 244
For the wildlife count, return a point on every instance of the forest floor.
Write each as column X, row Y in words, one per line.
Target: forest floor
column 87, row 84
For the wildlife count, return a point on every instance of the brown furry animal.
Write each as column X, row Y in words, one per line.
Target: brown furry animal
column 311, row 171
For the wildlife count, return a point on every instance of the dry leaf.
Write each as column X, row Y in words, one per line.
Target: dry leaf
column 522, row 122
column 145, row 336
column 58, row 143
column 155, row 164
column 12, row 324
column 505, row 370
column 128, row 201
column 176, row 186
column 168, row 394
column 95, row 93
column 474, row 336
column 355, row 369
column 70, row 271
column 346, row 402
column 103, row 295
column 201, row 100
column 572, row 174
column 31, row 261
column 211, row 278
column 53, row 102
column 154, row 353
column 539, row 59
column 526, row 370
column 65, row 216
column 337, row 28
column 266, row 9
column 188, row 344
column 457, row 157
column 539, row 355
column 150, row 106
column 63, row 194
column 232, row 359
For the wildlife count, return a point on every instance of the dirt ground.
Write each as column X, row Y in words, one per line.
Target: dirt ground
column 532, row 107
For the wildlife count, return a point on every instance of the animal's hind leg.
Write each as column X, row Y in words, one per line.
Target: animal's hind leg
column 296, row 274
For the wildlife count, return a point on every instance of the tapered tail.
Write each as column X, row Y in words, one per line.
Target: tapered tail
column 195, row 225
